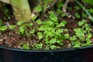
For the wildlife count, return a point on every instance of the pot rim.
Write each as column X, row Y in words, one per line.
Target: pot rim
column 58, row 50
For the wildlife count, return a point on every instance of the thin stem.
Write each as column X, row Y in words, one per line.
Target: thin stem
column 90, row 16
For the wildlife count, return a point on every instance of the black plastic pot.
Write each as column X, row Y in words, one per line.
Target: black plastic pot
column 66, row 55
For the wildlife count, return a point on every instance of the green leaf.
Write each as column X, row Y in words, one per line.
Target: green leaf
column 52, row 41
column 79, row 32
column 91, row 10
column 89, row 35
column 88, row 42
column 40, row 35
column 84, row 15
column 77, row 7
column 34, row 17
column 48, row 23
column 49, row 29
column 31, row 24
column 77, row 44
column 39, row 21
column 53, row 47
column 3, row 28
column 22, row 30
column 60, row 42
column 77, row 15
column 52, row 16
column 41, row 28
column 12, row 27
column 19, row 22
column 66, row 36
column 60, row 5
column 62, row 24
column 6, row 11
column 38, row 8
column 89, row 1
column 73, row 38
column 82, row 38
column 0, row 22
column 49, row 33
column 26, row 46
column 32, row 31
column 59, row 11
column 38, row 46
column 80, row 23
column 59, row 31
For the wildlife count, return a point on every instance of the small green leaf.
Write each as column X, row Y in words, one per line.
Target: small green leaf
column 59, row 11
column 34, row 17
column 79, row 32
column 38, row 46
column 59, row 31
column 60, row 5
column 88, row 42
column 89, row 1
column 84, row 15
column 73, row 38
column 62, row 24
column 12, row 27
column 77, row 7
column 26, row 46
column 41, row 28
column 19, row 22
column 52, row 41
column 80, row 23
column 40, row 35
column 32, row 31
column 38, row 8
column 77, row 15
column 31, row 24
column 60, row 42
column 77, row 44
column 49, row 34
column 91, row 10
column 3, row 28
column 82, row 38
column 0, row 22
column 66, row 36
column 89, row 35
column 52, row 16
column 39, row 21
column 48, row 22
column 53, row 47
column 22, row 30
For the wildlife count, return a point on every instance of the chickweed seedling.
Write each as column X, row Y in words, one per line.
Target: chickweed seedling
column 12, row 27
column 38, row 46
column 82, row 35
column 40, row 35
column 52, row 16
column 77, row 15
column 3, row 28
column 26, row 46
column 38, row 8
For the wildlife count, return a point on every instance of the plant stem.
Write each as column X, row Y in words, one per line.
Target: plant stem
column 90, row 16
column 21, row 9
